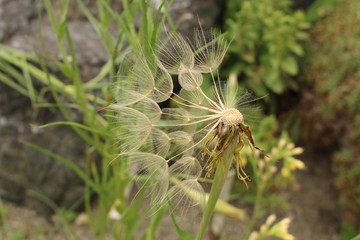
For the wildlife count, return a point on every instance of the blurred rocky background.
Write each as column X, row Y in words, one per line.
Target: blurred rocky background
column 30, row 178
column 27, row 177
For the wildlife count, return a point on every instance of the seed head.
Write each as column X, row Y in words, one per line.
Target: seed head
column 165, row 144
column 231, row 117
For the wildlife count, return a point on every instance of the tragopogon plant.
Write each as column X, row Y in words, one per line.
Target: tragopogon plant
column 206, row 129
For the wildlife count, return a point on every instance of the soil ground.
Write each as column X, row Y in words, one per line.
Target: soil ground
column 315, row 212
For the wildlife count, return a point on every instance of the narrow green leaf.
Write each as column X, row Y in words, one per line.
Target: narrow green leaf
column 67, row 163
column 61, row 31
column 77, row 125
column 182, row 234
column 29, row 83
column 10, row 70
column 6, row 80
column 155, row 222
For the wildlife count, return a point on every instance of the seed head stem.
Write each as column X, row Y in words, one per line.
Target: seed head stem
column 222, row 169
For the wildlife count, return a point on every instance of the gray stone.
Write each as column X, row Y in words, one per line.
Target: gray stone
column 26, row 175
column 15, row 15
column 90, row 54
column 188, row 13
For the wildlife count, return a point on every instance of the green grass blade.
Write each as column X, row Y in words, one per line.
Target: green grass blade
column 14, row 73
column 60, row 33
column 77, row 125
column 6, row 80
column 29, row 84
column 81, row 173
column 155, row 223
column 104, row 34
column 67, row 90
column 183, row 235
column 64, row 110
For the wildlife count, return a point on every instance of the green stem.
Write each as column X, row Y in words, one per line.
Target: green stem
column 221, row 206
column 255, row 214
column 357, row 237
column 260, row 186
column 222, row 169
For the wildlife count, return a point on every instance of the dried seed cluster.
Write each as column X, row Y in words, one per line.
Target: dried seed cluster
column 163, row 144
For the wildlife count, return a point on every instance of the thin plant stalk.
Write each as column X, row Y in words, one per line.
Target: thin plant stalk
column 257, row 205
column 221, row 206
column 222, row 168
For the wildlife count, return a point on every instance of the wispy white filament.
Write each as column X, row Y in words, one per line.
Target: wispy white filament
column 160, row 143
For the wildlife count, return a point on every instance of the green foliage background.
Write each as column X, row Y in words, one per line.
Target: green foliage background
column 332, row 74
column 266, row 43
